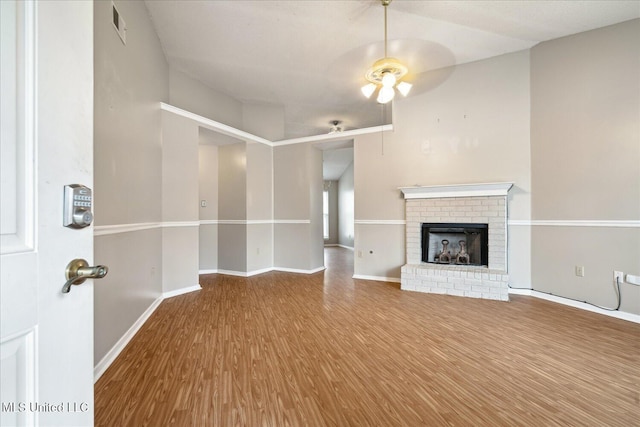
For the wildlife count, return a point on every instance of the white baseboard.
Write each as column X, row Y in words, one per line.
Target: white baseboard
column 377, row 278
column 261, row 271
column 181, row 291
column 264, row 270
column 635, row 318
column 243, row 273
column 214, row 271
column 115, row 351
column 112, row 354
column 337, row 245
column 295, row 270
column 517, row 291
column 232, row 273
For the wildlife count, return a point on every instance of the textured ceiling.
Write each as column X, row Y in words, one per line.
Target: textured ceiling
column 310, row 56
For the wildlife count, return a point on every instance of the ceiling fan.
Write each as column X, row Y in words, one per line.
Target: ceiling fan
column 335, row 126
column 385, row 75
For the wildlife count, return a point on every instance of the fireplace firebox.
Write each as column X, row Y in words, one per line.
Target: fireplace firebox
column 455, row 243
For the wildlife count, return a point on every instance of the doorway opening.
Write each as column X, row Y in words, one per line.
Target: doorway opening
column 338, row 197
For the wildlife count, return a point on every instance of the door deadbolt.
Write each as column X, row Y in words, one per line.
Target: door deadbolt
column 77, row 206
column 79, row 270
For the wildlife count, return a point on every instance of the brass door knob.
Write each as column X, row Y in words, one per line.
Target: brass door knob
column 78, row 271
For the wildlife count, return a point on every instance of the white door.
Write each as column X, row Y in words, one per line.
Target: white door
column 46, row 336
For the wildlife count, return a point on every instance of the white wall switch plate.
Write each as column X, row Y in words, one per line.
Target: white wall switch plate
column 634, row 280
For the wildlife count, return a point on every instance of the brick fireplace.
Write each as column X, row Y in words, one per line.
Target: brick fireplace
column 484, row 205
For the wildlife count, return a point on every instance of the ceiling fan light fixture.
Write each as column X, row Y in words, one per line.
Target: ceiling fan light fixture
column 386, row 73
column 404, row 88
column 388, row 79
column 386, row 94
column 368, row 89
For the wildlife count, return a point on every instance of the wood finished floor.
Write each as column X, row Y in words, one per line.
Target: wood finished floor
column 285, row 349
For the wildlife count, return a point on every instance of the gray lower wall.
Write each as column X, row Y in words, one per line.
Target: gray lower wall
column 380, row 250
column 232, row 247
column 134, row 282
column 208, row 247
column 291, row 246
column 259, row 247
column 179, row 258
column 519, row 255
column 557, row 250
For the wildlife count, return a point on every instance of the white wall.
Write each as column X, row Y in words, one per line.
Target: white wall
column 129, row 83
column 192, row 95
column 264, row 120
column 298, row 184
column 346, row 203
column 180, row 202
column 332, row 188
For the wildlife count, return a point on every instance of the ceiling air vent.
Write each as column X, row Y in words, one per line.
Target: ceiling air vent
column 119, row 24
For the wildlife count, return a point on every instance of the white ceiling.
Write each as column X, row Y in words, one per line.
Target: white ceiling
column 310, row 56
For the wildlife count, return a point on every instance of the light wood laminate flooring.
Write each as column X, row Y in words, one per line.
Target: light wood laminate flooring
column 282, row 349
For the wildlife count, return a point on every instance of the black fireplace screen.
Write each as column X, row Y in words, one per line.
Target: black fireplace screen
column 455, row 243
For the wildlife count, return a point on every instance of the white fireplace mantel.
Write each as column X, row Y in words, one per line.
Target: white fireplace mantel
column 457, row 190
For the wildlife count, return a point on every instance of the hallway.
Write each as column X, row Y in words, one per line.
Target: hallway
column 338, row 261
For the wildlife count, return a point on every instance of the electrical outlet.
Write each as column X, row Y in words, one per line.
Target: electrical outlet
column 618, row 276
column 359, row 254
column 580, row 270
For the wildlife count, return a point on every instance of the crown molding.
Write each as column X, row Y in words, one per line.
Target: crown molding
column 246, row 136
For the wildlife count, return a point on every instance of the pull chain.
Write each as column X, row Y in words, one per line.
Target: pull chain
column 382, row 136
column 385, row 3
